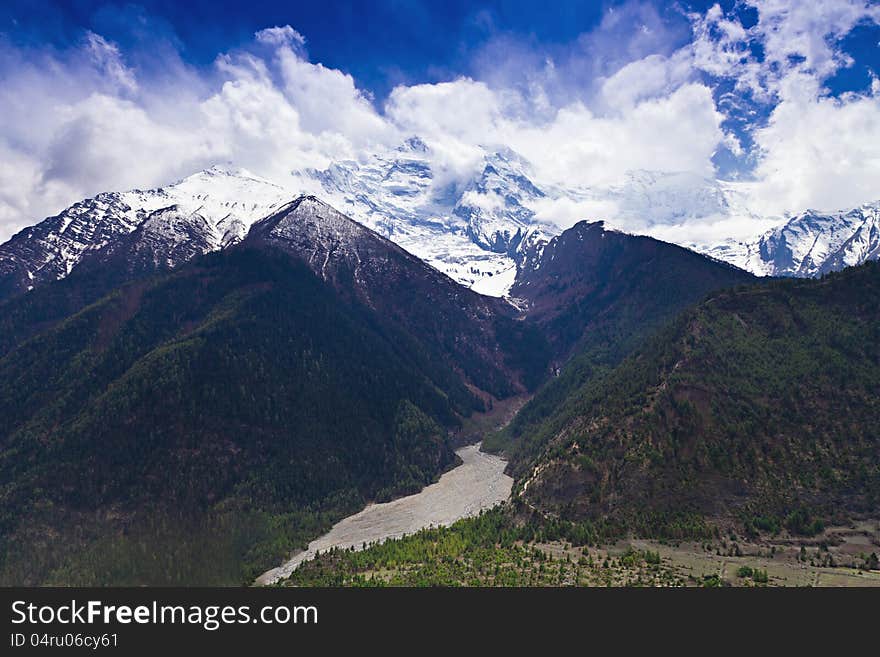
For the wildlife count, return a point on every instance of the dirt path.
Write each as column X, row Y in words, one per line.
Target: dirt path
column 478, row 483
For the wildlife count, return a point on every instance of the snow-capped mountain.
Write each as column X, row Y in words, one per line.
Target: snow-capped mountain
column 495, row 207
column 480, row 232
column 204, row 212
column 659, row 197
column 475, row 235
column 809, row 244
column 454, row 324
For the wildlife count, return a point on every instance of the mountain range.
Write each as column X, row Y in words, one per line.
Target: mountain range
column 250, row 395
column 478, row 232
column 810, row 244
column 196, row 380
column 245, row 396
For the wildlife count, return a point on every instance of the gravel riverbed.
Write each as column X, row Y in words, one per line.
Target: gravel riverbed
column 478, row 483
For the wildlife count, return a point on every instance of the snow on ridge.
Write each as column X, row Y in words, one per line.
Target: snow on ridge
column 809, row 244
column 478, row 233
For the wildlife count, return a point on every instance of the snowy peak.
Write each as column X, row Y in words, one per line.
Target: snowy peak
column 810, row 244
column 167, row 238
column 52, row 248
column 668, row 197
column 813, row 243
column 206, row 211
column 226, row 195
column 413, row 145
column 479, row 231
column 862, row 245
column 332, row 243
column 366, row 267
column 389, row 193
column 334, row 246
column 473, row 234
column 495, row 206
column 307, row 218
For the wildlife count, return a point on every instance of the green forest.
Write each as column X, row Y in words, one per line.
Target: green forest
column 758, row 404
column 753, row 412
column 236, row 404
column 199, row 425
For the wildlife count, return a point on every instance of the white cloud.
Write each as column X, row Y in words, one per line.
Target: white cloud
column 104, row 133
column 454, row 118
column 579, row 147
column 794, row 38
column 273, row 110
column 465, row 109
column 108, row 60
column 565, row 211
column 327, row 100
column 488, row 202
column 629, row 95
column 80, row 122
column 819, row 152
column 807, row 31
column 576, row 146
column 281, row 36
column 814, row 150
column 650, row 77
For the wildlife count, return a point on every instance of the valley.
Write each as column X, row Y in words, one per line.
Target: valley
column 476, row 484
column 176, row 413
column 412, row 294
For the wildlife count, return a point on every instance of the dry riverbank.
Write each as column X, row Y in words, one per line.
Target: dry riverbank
column 478, row 483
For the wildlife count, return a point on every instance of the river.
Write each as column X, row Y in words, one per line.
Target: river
column 478, row 483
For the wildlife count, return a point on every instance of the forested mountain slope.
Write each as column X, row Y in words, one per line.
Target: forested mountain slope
column 597, row 294
column 237, row 388
column 282, row 381
column 760, row 404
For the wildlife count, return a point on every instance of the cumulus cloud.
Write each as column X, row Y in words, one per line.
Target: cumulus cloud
column 819, row 152
column 564, row 210
column 638, row 92
column 83, row 121
column 649, row 77
column 281, row 36
column 328, row 101
column 574, row 147
column 814, row 149
column 801, row 36
column 794, row 38
column 583, row 148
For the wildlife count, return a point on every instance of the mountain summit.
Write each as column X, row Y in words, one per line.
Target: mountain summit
column 479, row 231
column 810, row 244
column 207, row 210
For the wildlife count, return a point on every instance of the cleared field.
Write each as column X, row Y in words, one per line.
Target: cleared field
column 837, row 557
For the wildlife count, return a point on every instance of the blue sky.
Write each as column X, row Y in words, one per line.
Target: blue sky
column 381, row 43
column 778, row 93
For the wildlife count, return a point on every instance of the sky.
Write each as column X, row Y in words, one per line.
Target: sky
column 780, row 96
